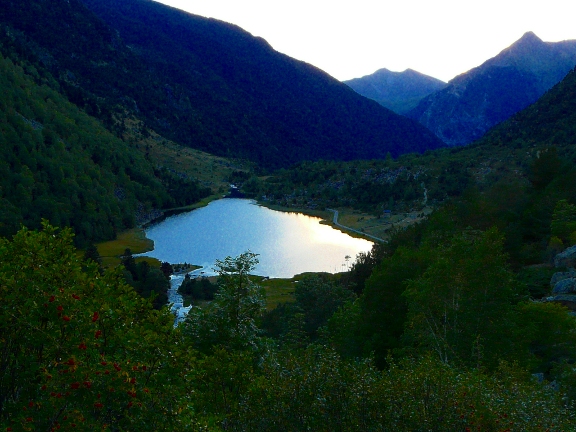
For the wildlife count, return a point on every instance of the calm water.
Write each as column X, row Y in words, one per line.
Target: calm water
column 288, row 243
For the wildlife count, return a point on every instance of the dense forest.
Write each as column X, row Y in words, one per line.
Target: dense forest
column 58, row 163
column 443, row 335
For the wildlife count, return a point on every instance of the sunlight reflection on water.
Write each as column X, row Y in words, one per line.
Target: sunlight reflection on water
column 287, row 243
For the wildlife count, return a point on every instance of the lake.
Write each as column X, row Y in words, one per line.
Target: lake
column 287, row 243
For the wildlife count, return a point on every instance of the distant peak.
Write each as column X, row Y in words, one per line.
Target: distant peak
column 529, row 37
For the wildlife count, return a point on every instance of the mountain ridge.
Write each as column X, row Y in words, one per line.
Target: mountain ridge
column 205, row 84
column 398, row 91
column 477, row 100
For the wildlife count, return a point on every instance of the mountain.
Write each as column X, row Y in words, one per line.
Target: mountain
column 58, row 163
column 551, row 121
column 398, row 91
column 477, row 100
column 203, row 83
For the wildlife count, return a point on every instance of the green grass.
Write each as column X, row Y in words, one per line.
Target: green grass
column 322, row 214
column 211, row 171
column 280, row 290
column 134, row 239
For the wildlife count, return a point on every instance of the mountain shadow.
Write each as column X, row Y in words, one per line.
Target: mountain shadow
column 203, row 83
column 397, row 91
column 477, row 100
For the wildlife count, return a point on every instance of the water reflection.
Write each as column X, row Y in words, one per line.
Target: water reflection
column 288, row 243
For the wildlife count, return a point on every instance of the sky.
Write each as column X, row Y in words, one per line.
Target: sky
column 351, row 39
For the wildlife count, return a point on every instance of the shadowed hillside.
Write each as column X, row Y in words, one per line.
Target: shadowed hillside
column 398, row 91
column 204, row 83
column 475, row 101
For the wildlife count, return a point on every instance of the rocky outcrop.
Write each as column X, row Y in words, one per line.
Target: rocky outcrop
column 565, row 286
column 566, row 258
column 558, row 276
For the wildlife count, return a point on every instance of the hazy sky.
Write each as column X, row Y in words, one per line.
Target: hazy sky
column 350, row 39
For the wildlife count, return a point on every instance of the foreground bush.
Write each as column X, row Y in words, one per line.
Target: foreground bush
column 79, row 349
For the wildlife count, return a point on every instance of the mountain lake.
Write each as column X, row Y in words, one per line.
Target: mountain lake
column 287, row 243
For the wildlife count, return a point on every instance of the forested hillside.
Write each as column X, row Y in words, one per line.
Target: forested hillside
column 80, row 350
column 203, row 83
column 58, row 163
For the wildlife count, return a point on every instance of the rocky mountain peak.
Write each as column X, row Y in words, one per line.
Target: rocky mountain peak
column 528, row 38
column 475, row 101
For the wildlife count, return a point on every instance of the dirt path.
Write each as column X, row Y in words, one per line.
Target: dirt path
column 335, row 221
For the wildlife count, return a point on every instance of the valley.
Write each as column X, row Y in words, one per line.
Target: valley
column 370, row 270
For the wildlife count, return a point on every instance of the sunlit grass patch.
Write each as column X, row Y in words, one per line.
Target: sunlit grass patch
column 279, row 290
column 134, row 239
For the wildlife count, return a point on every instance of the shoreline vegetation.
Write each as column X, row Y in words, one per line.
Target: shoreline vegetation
column 350, row 222
column 358, row 224
column 135, row 239
column 277, row 290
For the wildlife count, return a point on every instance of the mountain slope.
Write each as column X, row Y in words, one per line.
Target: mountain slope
column 58, row 163
column 475, row 101
column 398, row 91
column 551, row 121
column 204, row 83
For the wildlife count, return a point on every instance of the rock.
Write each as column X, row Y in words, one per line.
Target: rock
column 566, row 258
column 567, row 300
column 558, row 276
column 565, row 286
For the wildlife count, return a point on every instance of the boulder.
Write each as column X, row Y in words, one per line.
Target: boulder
column 566, row 258
column 558, row 276
column 565, row 286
